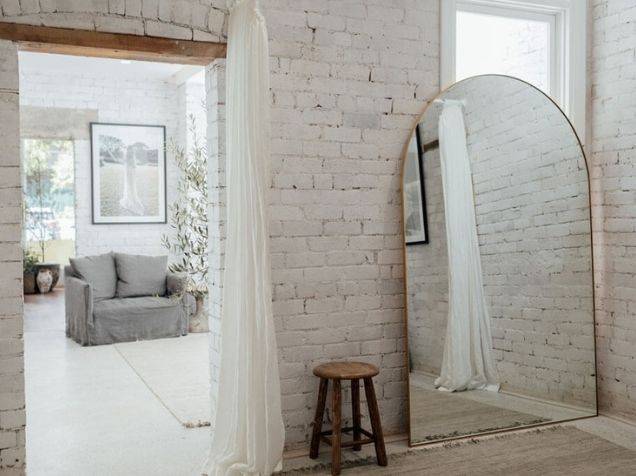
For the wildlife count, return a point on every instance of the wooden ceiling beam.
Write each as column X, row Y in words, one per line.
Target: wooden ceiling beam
column 111, row 45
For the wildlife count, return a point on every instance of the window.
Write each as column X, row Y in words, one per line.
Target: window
column 542, row 42
column 49, row 198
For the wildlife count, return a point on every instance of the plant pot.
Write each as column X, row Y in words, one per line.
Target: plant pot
column 199, row 319
column 54, row 268
column 28, row 282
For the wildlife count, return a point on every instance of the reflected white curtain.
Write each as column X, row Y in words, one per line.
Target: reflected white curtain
column 467, row 362
column 248, row 434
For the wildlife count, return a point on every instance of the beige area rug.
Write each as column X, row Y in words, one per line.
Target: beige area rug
column 177, row 372
column 439, row 415
column 555, row 451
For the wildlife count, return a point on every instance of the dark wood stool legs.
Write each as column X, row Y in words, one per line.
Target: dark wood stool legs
column 376, row 426
column 375, row 436
column 320, row 410
column 336, row 435
column 355, row 412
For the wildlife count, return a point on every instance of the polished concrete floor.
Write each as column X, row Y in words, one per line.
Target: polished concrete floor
column 90, row 413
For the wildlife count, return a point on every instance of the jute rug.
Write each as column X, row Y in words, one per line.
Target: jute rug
column 438, row 415
column 176, row 371
column 557, row 451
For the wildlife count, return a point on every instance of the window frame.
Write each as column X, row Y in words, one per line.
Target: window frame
column 568, row 45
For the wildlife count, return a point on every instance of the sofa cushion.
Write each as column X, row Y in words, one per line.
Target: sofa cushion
column 140, row 318
column 119, row 308
column 139, row 275
column 98, row 271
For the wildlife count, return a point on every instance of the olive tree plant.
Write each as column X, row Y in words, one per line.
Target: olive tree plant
column 188, row 244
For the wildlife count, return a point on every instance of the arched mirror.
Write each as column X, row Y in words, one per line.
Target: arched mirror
column 498, row 264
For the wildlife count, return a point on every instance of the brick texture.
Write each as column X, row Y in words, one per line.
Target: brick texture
column 202, row 20
column 347, row 79
column 12, row 416
column 612, row 76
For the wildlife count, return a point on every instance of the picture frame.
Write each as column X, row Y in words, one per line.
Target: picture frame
column 128, row 174
column 414, row 194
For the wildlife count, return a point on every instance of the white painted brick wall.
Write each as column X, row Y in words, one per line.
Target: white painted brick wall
column 202, row 20
column 215, row 101
column 347, row 79
column 532, row 209
column 613, row 148
column 117, row 100
column 12, row 416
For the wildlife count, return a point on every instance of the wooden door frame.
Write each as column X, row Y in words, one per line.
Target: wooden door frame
column 111, row 45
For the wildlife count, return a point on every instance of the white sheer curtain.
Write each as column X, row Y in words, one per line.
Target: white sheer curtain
column 248, row 434
column 467, row 363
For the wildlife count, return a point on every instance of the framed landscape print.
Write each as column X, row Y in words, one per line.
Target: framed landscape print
column 415, row 223
column 128, row 163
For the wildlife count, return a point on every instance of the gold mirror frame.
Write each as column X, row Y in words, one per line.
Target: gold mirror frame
column 406, row 309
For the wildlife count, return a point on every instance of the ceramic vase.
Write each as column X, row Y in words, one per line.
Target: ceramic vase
column 45, row 280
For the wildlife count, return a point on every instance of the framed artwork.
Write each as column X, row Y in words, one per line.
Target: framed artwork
column 414, row 195
column 128, row 168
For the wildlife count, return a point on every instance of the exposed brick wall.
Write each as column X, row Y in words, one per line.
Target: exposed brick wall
column 347, row 79
column 12, row 416
column 613, row 144
column 118, row 100
column 215, row 96
column 532, row 209
column 202, row 20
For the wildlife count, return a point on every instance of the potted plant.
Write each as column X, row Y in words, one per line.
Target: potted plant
column 29, row 271
column 40, row 220
column 188, row 218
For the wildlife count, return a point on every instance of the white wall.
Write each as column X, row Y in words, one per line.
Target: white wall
column 118, row 100
column 613, row 152
column 12, row 412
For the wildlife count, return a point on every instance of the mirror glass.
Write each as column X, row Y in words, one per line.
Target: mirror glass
column 498, row 270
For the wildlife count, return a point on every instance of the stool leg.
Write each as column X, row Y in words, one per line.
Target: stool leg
column 374, row 414
column 320, row 410
column 336, row 436
column 355, row 411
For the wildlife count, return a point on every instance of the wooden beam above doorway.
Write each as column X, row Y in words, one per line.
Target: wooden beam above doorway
column 68, row 41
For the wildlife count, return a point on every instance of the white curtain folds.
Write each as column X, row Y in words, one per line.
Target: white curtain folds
column 467, row 362
column 248, row 434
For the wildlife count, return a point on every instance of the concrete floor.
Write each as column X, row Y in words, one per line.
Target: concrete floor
column 89, row 413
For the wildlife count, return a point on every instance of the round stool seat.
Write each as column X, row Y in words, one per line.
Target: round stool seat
column 346, row 370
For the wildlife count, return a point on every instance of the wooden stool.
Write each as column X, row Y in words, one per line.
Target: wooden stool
column 353, row 371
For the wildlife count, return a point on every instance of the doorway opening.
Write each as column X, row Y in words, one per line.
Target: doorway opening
column 107, row 135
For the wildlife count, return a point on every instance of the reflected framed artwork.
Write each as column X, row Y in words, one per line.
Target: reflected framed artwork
column 414, row 195
column 128, row 168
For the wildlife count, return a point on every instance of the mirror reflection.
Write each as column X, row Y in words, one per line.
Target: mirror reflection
column 498, row 268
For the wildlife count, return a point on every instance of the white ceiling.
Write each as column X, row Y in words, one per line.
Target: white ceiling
column 37, row 62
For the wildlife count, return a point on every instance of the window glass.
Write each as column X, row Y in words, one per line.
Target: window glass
column 490, row 44
column 49, row 190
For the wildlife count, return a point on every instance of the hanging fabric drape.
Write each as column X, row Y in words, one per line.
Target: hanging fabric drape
column 467, row 362
column 248, row 434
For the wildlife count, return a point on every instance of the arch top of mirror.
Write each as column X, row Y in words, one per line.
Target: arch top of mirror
column 531, row 208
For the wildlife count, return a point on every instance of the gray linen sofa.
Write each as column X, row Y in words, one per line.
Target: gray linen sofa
column 117, row 297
